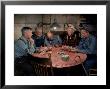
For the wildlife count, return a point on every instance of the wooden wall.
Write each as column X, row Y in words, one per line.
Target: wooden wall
column 21, row 20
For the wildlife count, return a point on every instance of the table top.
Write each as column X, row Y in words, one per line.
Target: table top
column 58, row 62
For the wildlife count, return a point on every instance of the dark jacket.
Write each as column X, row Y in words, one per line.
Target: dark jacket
column 39, row 41
column 72, row 40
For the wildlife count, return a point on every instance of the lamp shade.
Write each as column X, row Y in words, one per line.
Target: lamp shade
column 54, row 24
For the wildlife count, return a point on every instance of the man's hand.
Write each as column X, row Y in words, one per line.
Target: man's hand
column 75, row 49
column 31, row 41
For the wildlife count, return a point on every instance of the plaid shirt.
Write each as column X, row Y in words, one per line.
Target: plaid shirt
column 56, row 40
column 88, row 45
column 23, row 47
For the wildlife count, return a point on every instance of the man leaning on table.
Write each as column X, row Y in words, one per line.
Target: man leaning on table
column 52, row 40
column 24, row 50
column 88, row 45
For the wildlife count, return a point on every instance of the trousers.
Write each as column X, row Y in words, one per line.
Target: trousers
column 91, row 62
column 23, row 64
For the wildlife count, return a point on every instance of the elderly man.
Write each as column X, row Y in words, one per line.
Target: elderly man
column 71, row 37
column 24, row 49
column 52, row 40
column 38, row 37
column 88, row 45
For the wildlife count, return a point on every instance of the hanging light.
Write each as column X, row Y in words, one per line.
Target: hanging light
column 55, row 25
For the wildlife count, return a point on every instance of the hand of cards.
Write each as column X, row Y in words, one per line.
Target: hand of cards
column 69, row 48
column 44, row 49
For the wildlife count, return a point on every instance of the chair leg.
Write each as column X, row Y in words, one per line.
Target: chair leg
column 52, row 73
column 35, row 66
column 38, row 69
column 84, row 69
column 42, row 69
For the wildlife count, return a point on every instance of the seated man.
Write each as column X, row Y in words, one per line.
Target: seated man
column 38, row 37
column 24, row 49
column 52, row 40
column 88, row 45
column 71, row 37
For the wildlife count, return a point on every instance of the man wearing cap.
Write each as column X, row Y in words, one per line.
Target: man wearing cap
column 88, row 45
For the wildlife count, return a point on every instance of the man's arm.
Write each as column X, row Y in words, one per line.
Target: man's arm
column 91, row 47
column 80, row 45
column 31, row 48
column 46, row 42
column 20, row 48
column 59, row 40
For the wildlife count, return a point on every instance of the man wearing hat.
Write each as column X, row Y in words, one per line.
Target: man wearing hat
column 88, row 45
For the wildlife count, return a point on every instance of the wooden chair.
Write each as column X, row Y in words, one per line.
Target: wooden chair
column 86, row 73
column 92, row 71
column 43, row 67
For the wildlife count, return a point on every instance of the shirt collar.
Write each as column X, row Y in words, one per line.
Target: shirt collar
column 23, row 38
column 87, row 37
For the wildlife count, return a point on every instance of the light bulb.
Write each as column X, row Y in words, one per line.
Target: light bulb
column 54, row 28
